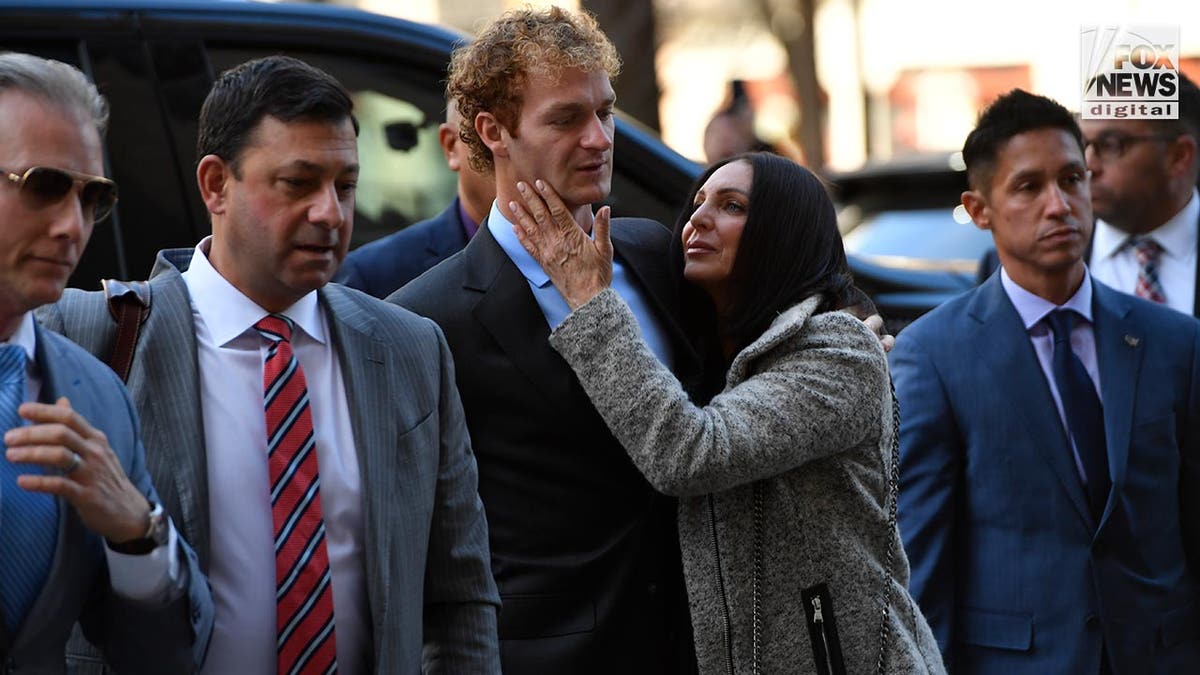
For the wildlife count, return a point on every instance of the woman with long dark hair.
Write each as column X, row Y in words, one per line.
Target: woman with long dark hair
column 786, row 467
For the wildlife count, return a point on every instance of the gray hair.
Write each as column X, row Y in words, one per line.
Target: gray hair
column 55, row 82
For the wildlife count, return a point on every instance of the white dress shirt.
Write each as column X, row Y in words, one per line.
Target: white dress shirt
column 1116, row 265
column 155, row 577
column 1032, row 309
column 231, row 354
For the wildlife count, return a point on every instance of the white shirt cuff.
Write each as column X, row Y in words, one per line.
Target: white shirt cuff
column 156, row 577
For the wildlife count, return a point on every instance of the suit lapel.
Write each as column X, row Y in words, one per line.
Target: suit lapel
column 1120, row 359
column 1002, row 344
column 510, row 314
column 165, row 385
column 365, row 376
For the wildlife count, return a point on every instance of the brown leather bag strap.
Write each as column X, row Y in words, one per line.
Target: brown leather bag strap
column 129, row 304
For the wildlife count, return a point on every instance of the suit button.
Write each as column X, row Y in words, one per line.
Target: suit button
column 1092, row 621
column 652, row 589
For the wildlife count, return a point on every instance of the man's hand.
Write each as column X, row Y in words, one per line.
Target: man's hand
column 95, row 484
column 875, row 323
column 579, row 266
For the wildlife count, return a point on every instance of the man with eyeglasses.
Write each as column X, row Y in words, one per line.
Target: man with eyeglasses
column 1144, row 196
column 82, row 536
column 1143, row 178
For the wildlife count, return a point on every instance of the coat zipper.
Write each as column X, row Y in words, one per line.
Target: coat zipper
column 822, row 630
column 819, row 619
column 712, row 519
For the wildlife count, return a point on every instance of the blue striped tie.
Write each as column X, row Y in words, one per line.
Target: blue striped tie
column 28, row 520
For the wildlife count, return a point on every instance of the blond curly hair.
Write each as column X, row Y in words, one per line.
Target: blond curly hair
column 490, row 73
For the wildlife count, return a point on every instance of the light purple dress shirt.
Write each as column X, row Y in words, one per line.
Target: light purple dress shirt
column 1033, row 309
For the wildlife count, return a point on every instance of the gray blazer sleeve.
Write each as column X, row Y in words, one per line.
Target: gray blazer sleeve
column 803, row 402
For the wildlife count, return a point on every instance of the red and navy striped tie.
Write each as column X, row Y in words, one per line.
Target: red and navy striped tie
column 304, row 594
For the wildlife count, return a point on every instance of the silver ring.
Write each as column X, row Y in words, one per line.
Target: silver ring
column 76, row 462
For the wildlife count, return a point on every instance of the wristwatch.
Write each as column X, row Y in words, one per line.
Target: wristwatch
column 156, row 534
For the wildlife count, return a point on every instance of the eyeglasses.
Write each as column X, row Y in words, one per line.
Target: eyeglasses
column 46, row 186
column 1109, row 147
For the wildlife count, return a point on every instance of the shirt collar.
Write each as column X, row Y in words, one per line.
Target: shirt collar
column 501, row 229
column 227, row 311
column 25, row 337
column 1033, row 308
column 1177, row 236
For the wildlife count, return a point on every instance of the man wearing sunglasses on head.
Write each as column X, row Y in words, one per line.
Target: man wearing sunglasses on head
column 82, row 536
column 1144, row 196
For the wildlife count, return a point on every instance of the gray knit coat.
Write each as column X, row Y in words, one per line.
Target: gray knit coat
column 784, row 484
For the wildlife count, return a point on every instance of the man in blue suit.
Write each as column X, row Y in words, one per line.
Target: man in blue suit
column 1050, row 435
column 83, row 536
column 382, row 266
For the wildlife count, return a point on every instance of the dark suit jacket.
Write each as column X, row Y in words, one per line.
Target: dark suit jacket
column 382, row 266
column 134, row 637
column 990, row 262
column 584, row 551
column 1008, row 563
column 427, row 570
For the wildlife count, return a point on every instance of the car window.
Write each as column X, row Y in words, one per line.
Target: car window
column 404, row 176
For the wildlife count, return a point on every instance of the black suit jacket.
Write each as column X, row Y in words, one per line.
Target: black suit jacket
column 584, row 551
column 990, row 262
column 382, row 266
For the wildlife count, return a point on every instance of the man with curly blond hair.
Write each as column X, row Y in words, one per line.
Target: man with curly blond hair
column 584, row 551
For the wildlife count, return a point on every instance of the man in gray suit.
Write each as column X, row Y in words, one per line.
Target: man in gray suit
column 310, row 437
column 82, row 535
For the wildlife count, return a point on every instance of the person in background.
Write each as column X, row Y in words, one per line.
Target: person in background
column 384, row 265
column 1144, row 196
column 83, row 534
column 786, row 476
column 731, row 131
column 1050, row 435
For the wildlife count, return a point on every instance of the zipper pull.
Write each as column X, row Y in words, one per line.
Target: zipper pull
column 817, row 616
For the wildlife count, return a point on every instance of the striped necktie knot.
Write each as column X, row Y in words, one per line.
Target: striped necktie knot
column 12, row 364
column 275, row 327
column 1147, row 252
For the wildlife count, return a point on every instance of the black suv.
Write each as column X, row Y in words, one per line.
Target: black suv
column 155, row 62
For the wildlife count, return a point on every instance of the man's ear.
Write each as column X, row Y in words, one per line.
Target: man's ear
column 1181, row 155
column 492, row 133
column 447, row 138
column 976, row 205
column 212, row 175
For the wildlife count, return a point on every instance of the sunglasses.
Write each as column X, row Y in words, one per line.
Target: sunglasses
column 46, row 186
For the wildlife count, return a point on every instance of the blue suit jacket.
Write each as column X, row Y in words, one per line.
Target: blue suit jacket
column 1008, row 564
column 134, row 637
column 382, row 266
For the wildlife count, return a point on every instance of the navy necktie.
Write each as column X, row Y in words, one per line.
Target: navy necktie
column 1085, row 415
column 28, row 520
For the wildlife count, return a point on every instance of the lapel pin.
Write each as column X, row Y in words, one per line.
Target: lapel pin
column 1132, row 341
